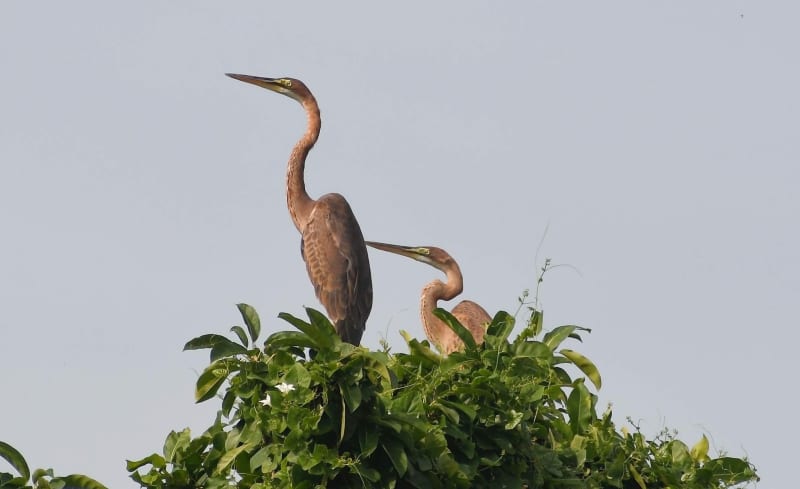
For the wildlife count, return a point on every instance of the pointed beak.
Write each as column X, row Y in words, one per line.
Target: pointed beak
column 411, row 252
column 268, row 83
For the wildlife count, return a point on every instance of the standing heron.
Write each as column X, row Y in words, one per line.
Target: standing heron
column 471, row 315
column 332, row 244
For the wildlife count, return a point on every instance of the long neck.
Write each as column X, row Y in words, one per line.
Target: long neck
column 297, row 199
column 435, row 329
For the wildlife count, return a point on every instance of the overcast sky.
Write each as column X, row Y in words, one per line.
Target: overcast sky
column 652, row 146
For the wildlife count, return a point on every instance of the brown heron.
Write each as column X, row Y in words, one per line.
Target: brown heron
column 471, row 315
column 332, row 244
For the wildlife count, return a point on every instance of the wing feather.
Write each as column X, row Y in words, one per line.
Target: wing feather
column 338, row 265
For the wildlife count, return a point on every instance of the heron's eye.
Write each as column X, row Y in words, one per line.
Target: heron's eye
column 286, row 83
column 423, row 251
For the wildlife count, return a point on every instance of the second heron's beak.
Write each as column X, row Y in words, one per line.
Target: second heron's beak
column 274, row 84
column 418, row 253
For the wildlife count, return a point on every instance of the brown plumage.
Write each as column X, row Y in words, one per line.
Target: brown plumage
column 332, row 244
column 471, row 315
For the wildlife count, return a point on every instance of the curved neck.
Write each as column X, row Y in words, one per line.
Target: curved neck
column 435, row 329
column 297, row 199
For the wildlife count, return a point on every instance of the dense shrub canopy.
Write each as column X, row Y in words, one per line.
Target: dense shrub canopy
column 307, row 410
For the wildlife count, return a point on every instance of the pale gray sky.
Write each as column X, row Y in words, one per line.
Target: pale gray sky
column 142, row 196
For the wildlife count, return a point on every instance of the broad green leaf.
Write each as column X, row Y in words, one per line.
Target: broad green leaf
column 680, row 455
column 699, row 451
column 227, row 459
column 251, row 320
column 15, row 459
column 730, row 471
column 319, row 338
column 175, row 442
column 579, row 408
column 470, row 411
column 533, row 349
column 290, row 338
column 298, row 375
column 78, row 481
column 328, row 334
column 225, row 349
column 397, row 454
column 451, row 413
column 372, row 475
column 156, row 460
column 352, row 395
column 227, row 403
column 41, row 474
column 259, row 458
column 204, row 341
column 554, row 338
column 421, row 352
column 585, row 365
column 500, row 328
column 210, row 381
column 367, row 440
column 241, row 334
column 462, row 332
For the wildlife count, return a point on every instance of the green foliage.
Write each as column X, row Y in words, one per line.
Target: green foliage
column 41, row 478
column 309, row 411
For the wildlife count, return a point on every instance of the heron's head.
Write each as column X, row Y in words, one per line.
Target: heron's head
column 433, row 256
column 290, row 87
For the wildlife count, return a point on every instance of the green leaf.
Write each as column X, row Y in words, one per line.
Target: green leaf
column 290, row 338
column 318, row 336
column 421, row 352
column 367, row 440
column 536, row 322
column 156, row 460
column 15, row 459
column 204, row 341
column 210, row 381
column 175, row 442
column 500, row 328
column 699, row 451
column 77, row 481
column 554, row 338
column 579, row 408
column 229, row 456
column 730, row 471
column 462, row 332
column 241, row 334
column 397, row 454
column 225, row 349
column 470, row 411
column 351, row 394
column 680, row 455
column 533, row 349
column 585, row 365
column 251, row 320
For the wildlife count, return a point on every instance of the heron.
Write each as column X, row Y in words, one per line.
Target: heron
column 332, row 244
column 470, row 314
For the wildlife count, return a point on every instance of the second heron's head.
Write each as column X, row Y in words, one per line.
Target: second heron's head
column 291, row 87
column 433, row 256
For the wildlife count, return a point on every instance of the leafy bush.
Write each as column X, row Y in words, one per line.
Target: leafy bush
column 41, row 478
column 308, row 411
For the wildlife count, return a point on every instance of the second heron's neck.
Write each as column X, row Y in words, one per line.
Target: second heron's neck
column 435, row 329
column 297, row 199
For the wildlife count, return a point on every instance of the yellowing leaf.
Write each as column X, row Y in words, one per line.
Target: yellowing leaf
column 699, row 451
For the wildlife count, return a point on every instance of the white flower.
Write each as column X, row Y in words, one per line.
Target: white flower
column 266, row 401
column 284, row 387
